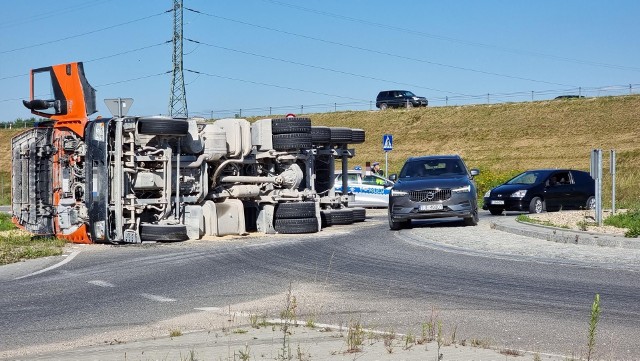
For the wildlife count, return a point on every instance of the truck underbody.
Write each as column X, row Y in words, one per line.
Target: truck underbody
column 149, row 179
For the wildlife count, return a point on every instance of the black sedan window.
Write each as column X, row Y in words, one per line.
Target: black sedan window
column 527, row 178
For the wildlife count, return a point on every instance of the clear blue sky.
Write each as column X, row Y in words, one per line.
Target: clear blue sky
column 257, row 54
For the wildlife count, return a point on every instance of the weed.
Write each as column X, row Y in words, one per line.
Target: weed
column 536, row 357
column 511, row 352
column 244, row 355
column 191, row 356
column 481, row 343
column 175, row 333
column 593, row 324
column 355, row 337
column 629, row 220
column 287, row 315
column 311, row 323
column 240, row 331
column 409, row 341
column 388, row 337
column 453, row 335
column 439, row 340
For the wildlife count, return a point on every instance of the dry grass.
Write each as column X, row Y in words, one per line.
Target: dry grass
column 501, row 138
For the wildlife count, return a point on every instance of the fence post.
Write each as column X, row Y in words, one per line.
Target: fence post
column 335, row 107
column 446, row 100
column 370, row 105
column 630, row 89
column 240, row 113
column 532, row 95
column 488, row 102
column 302, row 109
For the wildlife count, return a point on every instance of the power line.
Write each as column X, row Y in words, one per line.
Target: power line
column 454, row 40
column 100, row 58
column 22, row 20
column 317, row 67
column 376, row 51
column 272, row 85
column 83, row 34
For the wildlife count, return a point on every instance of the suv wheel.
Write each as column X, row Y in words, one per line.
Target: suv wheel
column 394, row 225
column 383, row 106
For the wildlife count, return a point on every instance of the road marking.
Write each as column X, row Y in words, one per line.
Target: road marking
column 61, row 263
column 157, row 298
column 101, row 283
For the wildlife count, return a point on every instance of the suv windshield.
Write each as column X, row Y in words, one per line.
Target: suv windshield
column 437, row 167
column 408, row 94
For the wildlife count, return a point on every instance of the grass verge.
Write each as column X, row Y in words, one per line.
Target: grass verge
column 629, row 220
column 16, row 245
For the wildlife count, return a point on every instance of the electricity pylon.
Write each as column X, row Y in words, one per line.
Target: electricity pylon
column 178, row 100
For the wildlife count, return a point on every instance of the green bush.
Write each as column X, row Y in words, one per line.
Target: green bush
column 629, row 220
column 489, row 179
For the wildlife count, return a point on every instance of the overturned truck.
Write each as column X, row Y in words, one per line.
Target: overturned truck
column 138, row 179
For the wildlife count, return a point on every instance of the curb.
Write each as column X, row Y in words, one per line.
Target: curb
column 560, row 235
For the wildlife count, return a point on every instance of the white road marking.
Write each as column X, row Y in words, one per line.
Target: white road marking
column 157, row 298
column 101, row 283
column 61, row 263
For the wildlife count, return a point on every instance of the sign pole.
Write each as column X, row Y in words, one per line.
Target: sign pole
column 387, row 146
column 386, row 164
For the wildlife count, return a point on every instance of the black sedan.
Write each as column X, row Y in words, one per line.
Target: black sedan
column 538, row 190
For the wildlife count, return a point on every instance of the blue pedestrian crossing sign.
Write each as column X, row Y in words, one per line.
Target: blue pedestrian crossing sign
column 387, row 142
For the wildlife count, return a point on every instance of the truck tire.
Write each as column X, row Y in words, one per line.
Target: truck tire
column 151, row 126
column 296, row 225
column 320, row 135
column 290, row 125
column 341, row 135
column 357, row 136
column 163, row 232
column 295, row 210
column 341, row 216
column 359, row 214
column 290, row 141
column 325, row 218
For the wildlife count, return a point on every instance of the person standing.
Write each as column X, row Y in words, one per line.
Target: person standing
column 375, row 169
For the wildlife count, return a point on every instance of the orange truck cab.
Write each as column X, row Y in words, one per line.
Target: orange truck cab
column 48, row 166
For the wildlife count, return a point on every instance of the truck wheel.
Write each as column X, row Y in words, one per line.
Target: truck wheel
column 325, row 218
column 296, row 225
column 163, row 232
column 295, row 210
column 341, row 216
column 151, row 126
column 359, row 214
column 357, row 136
column 290, row 125
column 290, row 141
column 320, row 135
column 341, row 135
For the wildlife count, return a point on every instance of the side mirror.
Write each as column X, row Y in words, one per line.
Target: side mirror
column 388, row 184
column 393, row 177
column 474, row 172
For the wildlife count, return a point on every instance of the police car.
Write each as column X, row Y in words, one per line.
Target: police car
column 369, row 190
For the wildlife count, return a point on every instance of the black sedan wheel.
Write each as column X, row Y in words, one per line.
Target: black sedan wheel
column 591, row 203
column 536, row 205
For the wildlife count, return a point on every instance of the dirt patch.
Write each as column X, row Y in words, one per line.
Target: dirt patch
column 579, row 220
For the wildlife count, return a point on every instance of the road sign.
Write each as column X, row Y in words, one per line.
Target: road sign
column 119, row 106
column 387, row 142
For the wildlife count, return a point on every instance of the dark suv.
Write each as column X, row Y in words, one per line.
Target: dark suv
column 435, row 186
column 399, row 98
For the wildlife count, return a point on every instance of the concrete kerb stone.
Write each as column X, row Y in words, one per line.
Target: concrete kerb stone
column 561, row 235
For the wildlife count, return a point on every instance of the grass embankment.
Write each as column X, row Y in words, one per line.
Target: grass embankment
column 16, row 245
column 504, row 139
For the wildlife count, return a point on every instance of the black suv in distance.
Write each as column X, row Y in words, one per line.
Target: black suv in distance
column 435, row 186
column 399, row 98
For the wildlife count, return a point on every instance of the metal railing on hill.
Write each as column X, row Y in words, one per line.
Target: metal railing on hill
column 488, row 98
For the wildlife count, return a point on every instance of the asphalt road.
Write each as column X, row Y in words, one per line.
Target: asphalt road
column 532, row 295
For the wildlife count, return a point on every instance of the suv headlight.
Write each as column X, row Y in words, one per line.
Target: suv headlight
column 397, row 193
column 519, row 194
column 415, row 98
column 488, row 194
column 465, row 189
